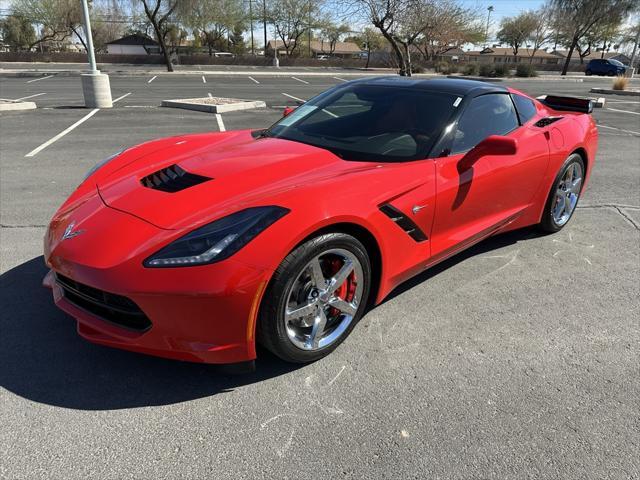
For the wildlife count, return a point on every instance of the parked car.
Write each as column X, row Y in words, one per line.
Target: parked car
column 195, row 247
column 603, row 66
column 322, row 57
column 223, row 55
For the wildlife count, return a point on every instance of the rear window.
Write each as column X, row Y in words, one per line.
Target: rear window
column 525, row 107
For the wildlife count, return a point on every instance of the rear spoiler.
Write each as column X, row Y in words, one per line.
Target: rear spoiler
column 570, row 104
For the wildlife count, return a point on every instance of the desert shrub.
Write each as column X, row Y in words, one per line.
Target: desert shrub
column 485, row 70
column 620, row 83
column 417, row 69
column 501, row 70
column 526, row 70
column 470, row 69
column 446, row 68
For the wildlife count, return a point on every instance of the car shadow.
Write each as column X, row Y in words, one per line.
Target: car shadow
column 43, row 359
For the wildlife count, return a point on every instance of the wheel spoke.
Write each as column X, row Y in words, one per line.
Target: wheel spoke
column 568, row 203
column 300, row 312
column 344, row 306
column 561, row 202
column 317, row 330
column 317, row 275
column 339, row 278
column 575, row 185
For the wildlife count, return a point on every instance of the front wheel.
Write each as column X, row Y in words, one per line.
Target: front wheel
column 564, row 195
column 315, row 298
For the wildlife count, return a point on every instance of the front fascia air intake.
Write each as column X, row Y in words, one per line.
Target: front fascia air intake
column 404, row 222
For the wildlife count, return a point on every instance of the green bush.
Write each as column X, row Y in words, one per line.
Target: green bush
column 446, row 68
column 470, row 69
column 526, row 70
column 417, row 69
column 501, row 70
column 485, row 70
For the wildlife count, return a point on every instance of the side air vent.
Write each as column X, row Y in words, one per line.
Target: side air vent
column 172, row 179
column 403, row 222
column 546, row 121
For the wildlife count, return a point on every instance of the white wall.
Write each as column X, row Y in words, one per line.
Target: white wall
column 126, row 49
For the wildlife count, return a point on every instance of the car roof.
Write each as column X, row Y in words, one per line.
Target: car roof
column 455, row 86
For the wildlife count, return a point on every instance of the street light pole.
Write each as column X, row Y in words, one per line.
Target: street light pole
column 253, row 52
column 95, row 85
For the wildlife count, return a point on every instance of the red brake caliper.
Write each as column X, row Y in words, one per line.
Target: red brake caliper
column 347, row 290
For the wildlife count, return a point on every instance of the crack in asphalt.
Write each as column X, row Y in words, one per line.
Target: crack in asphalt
column 617, row 207
column 3, row 225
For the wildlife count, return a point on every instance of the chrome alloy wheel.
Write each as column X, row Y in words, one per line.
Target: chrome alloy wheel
column 567, row 194
column 323, row 299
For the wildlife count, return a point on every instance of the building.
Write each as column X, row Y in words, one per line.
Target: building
column 318, row 47
column 135, row 44
column 505, row 55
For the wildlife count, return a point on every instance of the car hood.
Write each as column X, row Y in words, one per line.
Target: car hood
column 243, row 171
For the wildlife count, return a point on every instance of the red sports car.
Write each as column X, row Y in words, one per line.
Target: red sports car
column 195, row 247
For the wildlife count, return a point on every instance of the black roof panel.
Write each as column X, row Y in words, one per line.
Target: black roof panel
column 455, row 86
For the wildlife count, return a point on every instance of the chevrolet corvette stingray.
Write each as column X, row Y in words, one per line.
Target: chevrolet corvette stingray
column 198, row 246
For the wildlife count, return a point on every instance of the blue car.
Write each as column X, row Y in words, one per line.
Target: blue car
column 602, row 66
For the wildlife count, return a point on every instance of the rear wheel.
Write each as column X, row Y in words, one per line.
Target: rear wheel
column 587, row 72
column 564, row 195
column 611, row 73
column 316, row 296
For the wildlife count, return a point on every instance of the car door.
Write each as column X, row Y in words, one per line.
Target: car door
column 475, row 200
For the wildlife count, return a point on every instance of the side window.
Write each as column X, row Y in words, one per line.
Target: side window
column 526, row 108
column 487, row 115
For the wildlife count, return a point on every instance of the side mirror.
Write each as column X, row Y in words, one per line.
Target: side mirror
column 492, row 145
column 287, row 111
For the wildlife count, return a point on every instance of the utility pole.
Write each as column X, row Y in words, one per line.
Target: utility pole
column 253, row 52
column 486, row 33
column 309, row 28
column 635, row 49
column 264, row 24
column 95, row 85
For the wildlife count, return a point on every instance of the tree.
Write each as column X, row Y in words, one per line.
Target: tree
column 541, row 32
column 214, row 20
column 579, row 17
column 17, row 32
column 291, row 19
column 58, row 19
column 160, row 15
column 514, row 31
column 371, row 41
column 332, row 33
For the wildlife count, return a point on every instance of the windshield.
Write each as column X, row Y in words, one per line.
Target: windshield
column 370, row 122
column 616, row 63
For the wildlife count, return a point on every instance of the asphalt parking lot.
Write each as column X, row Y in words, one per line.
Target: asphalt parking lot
column 518, row 358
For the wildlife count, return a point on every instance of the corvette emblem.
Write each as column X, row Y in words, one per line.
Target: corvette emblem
column 69, row 233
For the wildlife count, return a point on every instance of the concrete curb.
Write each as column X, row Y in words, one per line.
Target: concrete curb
column 187, row 104
column 629, row 93
column 12, row 105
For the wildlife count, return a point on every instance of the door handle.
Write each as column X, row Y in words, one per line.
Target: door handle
column 417, row 208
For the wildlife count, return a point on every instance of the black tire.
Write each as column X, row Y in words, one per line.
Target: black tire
column 611, row 73
column 587, row 72
column 548, row 223
column 271, row 331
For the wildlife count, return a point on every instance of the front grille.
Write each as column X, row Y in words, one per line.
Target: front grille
column 172, row 179
column 113, row 308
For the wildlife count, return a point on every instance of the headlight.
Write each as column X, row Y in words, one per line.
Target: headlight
column 100, row 164
column 217, row 240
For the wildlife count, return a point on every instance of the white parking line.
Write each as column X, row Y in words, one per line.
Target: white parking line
column 210, row 96
column 623, row 101
column 37, row 150
column 152, row 78
column 30, row 96
column 121, row 97
column 623, row 111
column 254, row 80
column 295, row 98
column 220, row 122
column 301, row 81
column 40, row 78
column 341, row 79
column 619, row 129
column 204, row 80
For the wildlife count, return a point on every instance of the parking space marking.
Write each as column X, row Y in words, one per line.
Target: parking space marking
column 220, row 122
column 301, row 81
column 121, row 97
column 623, row 111
column 37, row 150
column 40, row 78
column 254, row 80
column 341, row 79
column 30, row 96
column 210, row 96
column 152, row 79
column 623, row 101
column 295, row 98
column 618, row 129
column 204, row 80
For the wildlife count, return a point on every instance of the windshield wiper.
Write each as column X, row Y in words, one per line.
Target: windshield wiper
column 264, row 133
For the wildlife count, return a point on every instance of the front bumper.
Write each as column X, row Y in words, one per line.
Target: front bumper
column 202, row 314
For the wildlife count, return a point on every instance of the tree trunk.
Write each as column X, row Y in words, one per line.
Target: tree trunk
column 569, row 55
column 394, row 45
column 163, row 47
column 368, row 55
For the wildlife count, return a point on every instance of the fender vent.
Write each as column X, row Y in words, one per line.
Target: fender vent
column 403, row 222
column 546, row 121
column 172, row 179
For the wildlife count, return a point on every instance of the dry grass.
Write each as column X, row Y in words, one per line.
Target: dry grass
column 620, row 83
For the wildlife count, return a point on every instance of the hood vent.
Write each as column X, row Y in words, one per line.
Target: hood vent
column 172, row 179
